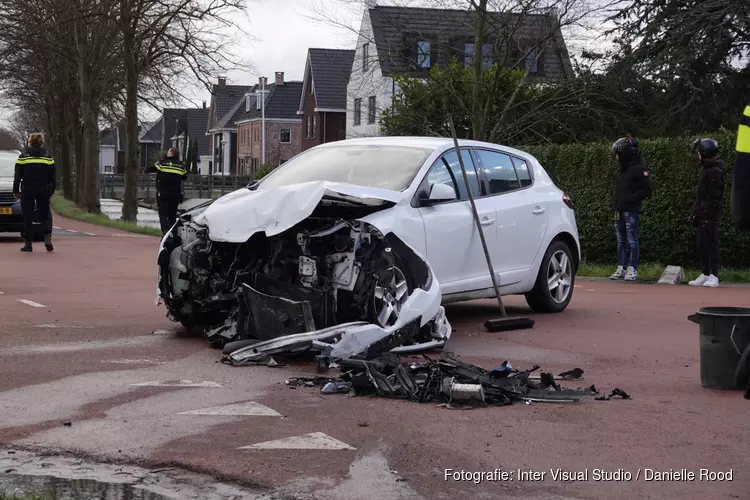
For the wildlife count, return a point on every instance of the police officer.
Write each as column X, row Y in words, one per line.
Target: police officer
column 633, row 185
column 35, row 182
column 169, row 190
column 707, row 210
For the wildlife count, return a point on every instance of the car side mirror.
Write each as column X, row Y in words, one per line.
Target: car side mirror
column 440, row 193
column 252, row 185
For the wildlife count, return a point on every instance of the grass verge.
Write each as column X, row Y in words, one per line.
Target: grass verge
column 652, row 272
column 68, row 209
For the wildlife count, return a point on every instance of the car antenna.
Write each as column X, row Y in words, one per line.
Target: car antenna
column 499, row 324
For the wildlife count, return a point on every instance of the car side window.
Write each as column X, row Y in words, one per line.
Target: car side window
column 522, row 170
column 499, row 169
column 451, row 174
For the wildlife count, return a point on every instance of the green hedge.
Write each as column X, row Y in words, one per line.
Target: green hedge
column 587, row 173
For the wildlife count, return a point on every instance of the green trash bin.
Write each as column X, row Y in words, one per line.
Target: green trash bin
column 724, row 335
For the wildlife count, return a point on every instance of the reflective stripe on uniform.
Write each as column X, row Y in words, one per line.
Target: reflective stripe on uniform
column 35, row 159
column 170, row 168
column 743, row 133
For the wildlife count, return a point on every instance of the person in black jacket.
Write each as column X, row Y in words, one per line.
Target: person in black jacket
column 633, row 185
column 169, row 190
column 35, row 183
column 707, row 210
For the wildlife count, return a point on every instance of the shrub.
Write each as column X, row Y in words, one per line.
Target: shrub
column 587, row 173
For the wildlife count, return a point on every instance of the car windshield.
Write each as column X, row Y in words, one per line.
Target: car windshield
column 375, row 166
column 7, row 164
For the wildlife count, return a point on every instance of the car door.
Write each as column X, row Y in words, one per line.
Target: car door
column 454, row 247
column 521, row 218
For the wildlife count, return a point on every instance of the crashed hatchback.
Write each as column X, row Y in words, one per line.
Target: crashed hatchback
column 301, row 266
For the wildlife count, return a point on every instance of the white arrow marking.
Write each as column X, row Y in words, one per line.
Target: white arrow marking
column 176, row 383
column 312, row 441
column 250, row 408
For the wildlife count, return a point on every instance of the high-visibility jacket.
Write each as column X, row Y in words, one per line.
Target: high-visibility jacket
column 740, row 197
column 35, row 169
column 169, row 176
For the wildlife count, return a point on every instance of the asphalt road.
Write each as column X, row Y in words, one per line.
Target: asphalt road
column 81, row 330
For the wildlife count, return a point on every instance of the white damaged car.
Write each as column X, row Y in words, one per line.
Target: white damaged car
column 330, row 251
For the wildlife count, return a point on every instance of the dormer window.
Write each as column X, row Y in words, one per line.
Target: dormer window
column 423, row 54
column 257, row 100
column 247, row 103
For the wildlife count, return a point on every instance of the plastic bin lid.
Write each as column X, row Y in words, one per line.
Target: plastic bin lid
column 724, row 311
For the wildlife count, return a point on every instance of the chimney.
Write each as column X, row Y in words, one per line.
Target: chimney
column 222, row 82
column 279, row 78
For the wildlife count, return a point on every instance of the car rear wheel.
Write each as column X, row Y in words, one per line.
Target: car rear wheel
column 555, row 282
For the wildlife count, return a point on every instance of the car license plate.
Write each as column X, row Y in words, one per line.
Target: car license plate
column 6, row 211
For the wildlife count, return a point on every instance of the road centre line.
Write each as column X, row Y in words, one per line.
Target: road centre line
column 31, row 303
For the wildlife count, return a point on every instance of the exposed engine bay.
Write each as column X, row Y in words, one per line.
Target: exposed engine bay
column 314, row 284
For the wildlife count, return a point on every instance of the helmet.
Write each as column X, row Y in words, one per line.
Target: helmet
column 626, row 147
column 708, row 148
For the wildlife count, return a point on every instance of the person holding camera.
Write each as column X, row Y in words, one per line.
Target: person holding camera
column 707, row 210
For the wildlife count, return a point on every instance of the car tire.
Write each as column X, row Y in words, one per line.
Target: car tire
column 541, row 298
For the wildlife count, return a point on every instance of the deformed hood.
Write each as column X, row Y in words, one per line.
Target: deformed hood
column 235, row 217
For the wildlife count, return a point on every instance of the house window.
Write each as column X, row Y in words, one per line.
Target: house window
column 108, row 169
column 308, row 127
column 423, row 54
column 371, row 109
column 365, row 56
column 285, row 135
column 247, row 103
column 532, row 61
column 486, row 54
column 357, row 111
column 314, row 128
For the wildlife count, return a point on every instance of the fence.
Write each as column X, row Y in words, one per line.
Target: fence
column 195, row 186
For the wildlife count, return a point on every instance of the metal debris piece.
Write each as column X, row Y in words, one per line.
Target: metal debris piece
column 615, row 393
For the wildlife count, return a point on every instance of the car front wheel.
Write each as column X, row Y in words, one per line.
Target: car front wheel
column 555, row 282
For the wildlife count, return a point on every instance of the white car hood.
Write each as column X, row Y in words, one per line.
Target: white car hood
column 235, row 217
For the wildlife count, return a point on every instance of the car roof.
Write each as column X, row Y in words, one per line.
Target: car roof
column 434, row 143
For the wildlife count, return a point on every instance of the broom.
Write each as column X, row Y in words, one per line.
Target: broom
column 499, row 324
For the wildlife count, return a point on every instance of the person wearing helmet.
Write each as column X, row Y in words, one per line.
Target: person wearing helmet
column 707, row 210
column 633, row 185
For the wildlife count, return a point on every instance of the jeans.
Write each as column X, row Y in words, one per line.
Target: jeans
column 708, row 247
column 626, row 229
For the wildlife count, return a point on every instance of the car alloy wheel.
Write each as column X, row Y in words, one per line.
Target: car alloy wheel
column 389, row 298
column 559, row 276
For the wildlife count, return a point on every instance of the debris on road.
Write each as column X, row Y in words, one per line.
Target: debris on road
column 615, row 393
column 446, row 380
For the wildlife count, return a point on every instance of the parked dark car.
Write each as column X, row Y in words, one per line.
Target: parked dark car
column 11, row 217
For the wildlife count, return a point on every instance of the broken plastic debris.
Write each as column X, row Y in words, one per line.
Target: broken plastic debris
column 336, row 386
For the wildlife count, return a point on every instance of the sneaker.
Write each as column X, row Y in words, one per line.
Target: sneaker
column 631, row 275
column 712, row 282
column 619, row 274
column 699, row 281
column 48, row 242
column 27, row 247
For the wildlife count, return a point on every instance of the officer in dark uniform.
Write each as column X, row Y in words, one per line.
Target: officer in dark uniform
column 35, row 182
column 169, row 189
column 633, row 185
column 707, row 210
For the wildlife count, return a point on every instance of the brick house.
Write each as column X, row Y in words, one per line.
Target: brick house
column 274, row 105
column 322, row 105
column 410, row 40
column 226, row 106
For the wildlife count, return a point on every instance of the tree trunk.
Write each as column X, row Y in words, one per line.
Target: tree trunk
column 80, row 165
column 130, row 197
column 478, row 118
column 66, row 157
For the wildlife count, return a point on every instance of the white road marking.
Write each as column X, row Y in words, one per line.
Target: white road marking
column 2, row 293
column 55, row 227
column 71, row 231
column 131, row 235
column 312, row 441
column 131, row 361
column 590, row 290
column 61, row 326
column 176, row 383
column 250, row 408
column 90, row 234
column 31, row 303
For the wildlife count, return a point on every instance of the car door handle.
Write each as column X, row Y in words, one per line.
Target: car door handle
column 486, row 221
column 537, row 211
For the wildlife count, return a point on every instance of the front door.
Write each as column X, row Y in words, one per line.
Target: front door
column 454, row 247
